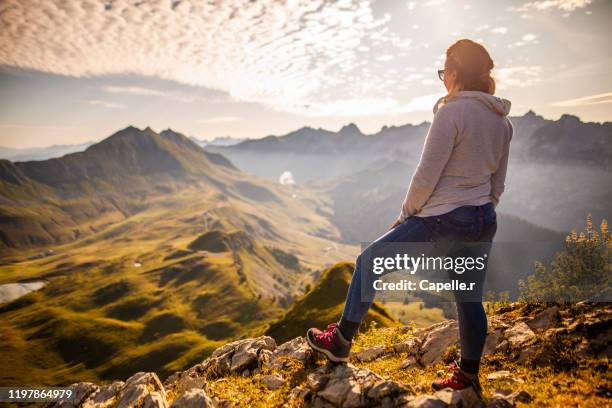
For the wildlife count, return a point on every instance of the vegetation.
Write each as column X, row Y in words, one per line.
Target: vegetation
column 323, row 304
column 583, row 271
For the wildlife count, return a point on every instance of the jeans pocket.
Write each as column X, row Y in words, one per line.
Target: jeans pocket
column 459, row 220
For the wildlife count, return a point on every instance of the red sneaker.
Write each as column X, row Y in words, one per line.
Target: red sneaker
column 457, row 379
column 330, row 342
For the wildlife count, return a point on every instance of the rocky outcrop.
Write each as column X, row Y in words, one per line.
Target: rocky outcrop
column 523, row 333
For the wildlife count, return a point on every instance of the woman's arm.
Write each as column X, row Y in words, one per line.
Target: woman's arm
column 499, row 177
column 438, row 147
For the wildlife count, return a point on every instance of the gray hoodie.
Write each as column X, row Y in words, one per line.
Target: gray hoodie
column 464, row 158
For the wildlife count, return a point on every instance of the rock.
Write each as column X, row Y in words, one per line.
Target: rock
column 466, row 398
column 544, row 319
column 354, row 397
column 437, row 341
column 246, row 353
column 345, row 385
column 133, row 396
column 273, row 381
column 105, row 396
column 81, row 392
column 498, row 375
column 410, row 362
column 384, row 388
column 520, row 396
column 154, row 400
column 491, row 342
column 512, row 397
column 297, row 396
column 502, row 347
column 369, row 354
column 136, row 389
column 426, row 401
column 296, row 349
column 497, row 402
column 238, row 356
column 180, row 382
column 410, row 346
column 336, row 390
column 194, row 398
column 519, row 335
column 528, row 354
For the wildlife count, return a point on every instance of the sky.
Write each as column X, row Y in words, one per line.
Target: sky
column 73, row 71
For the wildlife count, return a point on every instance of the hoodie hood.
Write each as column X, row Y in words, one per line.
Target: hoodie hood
column 495, row 104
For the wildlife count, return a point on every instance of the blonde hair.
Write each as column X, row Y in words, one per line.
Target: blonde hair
column 473, row 65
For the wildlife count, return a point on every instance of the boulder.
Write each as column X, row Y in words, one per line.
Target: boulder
column 544, row 319
column 347, row 386
column 410, row 346
column 80, row 392
column 437, row 341
column 512, row 397
column 105, row 396
column 238, row 357
column 466, row 398
column 154, row 400
column 194, row 398
column 138, row 387
column 410, row 362
column 272, row 381
column 296, row 350
column 519, row 335
column 426, row 401
column 369, row 354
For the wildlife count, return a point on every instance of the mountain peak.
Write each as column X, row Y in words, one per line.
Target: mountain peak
column 532, row 115
column 351, row 128
column 567, row 118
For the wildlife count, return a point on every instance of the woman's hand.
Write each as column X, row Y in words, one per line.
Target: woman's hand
column 395, row 224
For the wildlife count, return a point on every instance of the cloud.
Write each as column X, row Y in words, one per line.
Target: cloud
column 500, row 30
column 525, row 40
column 586, row 100
column 286, row 178
column 285, row 55
column 565, row 5
column 219, row 119
column 106, row 104
column 434, row 3
column 518, row 77
column 140, row 91
column 419, row 104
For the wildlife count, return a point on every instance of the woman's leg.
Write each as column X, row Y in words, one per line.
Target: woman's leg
column 361, row 290
column 472, row 334
column 471, row 314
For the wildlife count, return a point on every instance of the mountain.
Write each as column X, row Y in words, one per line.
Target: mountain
column 571, row 140
column 218, row 141
column 56, row 200
column 558, row 169
column 152, row 251
column 323, row 304
column 41, row 153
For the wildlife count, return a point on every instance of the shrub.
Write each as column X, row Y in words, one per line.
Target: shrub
column 582, row 271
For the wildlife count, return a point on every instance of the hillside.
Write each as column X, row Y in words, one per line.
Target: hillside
column 322, row 305
column 535, row 356
column 152, row 253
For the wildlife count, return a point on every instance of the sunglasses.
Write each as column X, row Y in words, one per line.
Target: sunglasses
column 441, row 74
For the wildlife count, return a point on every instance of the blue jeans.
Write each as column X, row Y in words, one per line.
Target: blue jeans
column 465, row 224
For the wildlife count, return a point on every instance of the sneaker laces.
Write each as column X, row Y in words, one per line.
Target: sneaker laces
column 327, row 336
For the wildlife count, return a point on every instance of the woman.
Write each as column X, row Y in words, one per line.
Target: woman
column 452, row 195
